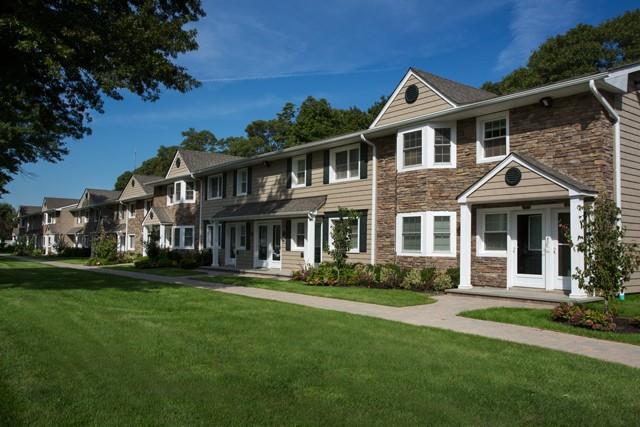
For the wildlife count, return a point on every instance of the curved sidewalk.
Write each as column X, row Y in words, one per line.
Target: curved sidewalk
column 442, row 314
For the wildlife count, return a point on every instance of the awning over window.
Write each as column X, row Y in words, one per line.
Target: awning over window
column 275, row 208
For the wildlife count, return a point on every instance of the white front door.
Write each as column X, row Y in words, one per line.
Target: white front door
column 539, row 251
column 231, row 251
column 267, row 246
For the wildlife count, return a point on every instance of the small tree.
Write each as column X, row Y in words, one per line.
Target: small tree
column 341, row 236
column 608, row 260
column 105, row 246
column 151, row 247
column 60, row 245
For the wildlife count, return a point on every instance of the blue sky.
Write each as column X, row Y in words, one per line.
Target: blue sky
column 254, row 56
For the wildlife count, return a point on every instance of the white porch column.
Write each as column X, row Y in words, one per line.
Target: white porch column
column 214, row 245
column 145, row 236
column 577, row 258
column 465, row 246
column 310, row 241
column 161, row 236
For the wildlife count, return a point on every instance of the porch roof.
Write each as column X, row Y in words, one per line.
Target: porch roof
column 157, row 215
column 272, row 208
column 535, row 180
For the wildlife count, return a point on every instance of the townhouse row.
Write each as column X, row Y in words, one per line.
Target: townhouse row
column 446, row 175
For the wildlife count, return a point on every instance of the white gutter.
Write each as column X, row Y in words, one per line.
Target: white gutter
column 374, row 198
column 616, row 141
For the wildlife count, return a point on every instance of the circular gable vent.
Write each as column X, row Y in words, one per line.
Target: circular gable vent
column 513, row 176
column 178, row 162
column 411, row 94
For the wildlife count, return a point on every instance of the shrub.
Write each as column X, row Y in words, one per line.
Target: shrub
column 105, row 247
column 143, row 262
column 428, row 274
column 579, row 316
column 412, row 280
column 205, row 257
column 365, row 275
column 174, row 255
column 36, row 252
column 60, row 244
column 454, row 274
column 75, row 252
column 189, row 261
column 390, row 276
column 442, row 282
column 151, row 247
column 341, row 236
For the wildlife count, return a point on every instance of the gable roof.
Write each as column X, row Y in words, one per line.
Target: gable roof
column 457, row 92
column 28, row 210
column 563, row 180
column 157, row 215
column 197, row 160
column 143, row 191
column 99, row 196
column 57, row 202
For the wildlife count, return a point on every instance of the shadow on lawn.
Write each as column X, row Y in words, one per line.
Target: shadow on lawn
column 23, row 274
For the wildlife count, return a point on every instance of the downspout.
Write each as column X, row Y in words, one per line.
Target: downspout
column 200, row 231
column 616, row 141
column 374, row 196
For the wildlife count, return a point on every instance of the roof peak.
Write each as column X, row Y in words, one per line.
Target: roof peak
column 460, row 93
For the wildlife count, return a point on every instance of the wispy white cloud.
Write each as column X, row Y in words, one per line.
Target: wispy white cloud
column 532, row 22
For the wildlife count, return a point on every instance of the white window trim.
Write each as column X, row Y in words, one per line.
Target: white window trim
column 182, row 234
column 427, row 228
column 209, row 187
column 399, row 220
column 240, row 228
column 428, row 147
column 480, row 121
column 294, row 227
column 480, row 223
column 294, row 176
column 239, row 182
column 353, row 250
column 129, row 246
column 147, row 205
column 131, row 210
column 182, row 197
column 332, row 163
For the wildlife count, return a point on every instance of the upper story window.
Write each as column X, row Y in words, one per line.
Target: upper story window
column 131, row 209
column 214, row 187
column 299, row 171
column 147, row 207
column 242, row 182
column 49, row 219
column 181, row 192
column 430, row 146
column 493, row 137
column 345, row 163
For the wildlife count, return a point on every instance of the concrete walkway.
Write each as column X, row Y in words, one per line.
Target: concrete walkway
column 442, row 314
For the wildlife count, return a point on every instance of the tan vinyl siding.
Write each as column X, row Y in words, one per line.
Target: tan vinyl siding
column 133, row 192
column 630, row 170
column 428, row 102
column 175, row 171
column 531, row 186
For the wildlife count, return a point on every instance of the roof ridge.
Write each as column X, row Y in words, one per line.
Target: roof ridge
column 457, row 92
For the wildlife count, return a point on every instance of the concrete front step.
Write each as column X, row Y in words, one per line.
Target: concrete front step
column 521, row 294
column 256, row 272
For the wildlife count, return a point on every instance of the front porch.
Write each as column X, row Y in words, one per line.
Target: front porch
column 523, row 294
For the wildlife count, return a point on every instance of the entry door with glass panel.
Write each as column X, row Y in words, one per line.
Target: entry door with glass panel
column 231, row 251
column 268, row 245
column 528, row 250
column 561, row 250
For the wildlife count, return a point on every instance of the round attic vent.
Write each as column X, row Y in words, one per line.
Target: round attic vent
column 411, row 94
column 513, row 176
column 178, row 162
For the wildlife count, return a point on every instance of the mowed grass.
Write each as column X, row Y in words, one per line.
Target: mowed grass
column 83, row 348
column 391, row 297
column 541, row 318
column 162, row 271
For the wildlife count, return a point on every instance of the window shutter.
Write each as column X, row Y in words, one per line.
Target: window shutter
column 325, row 234
column 222, row 235
column 325, row 175
column 364, row 158
column 287, row 234
column 362, row 233
column 235, row 182
column 248, row 230
column 224, row 185
column 289, row 171
column 309, row 169
column 249, row 180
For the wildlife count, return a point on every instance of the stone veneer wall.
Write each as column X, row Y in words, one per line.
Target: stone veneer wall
column 574, row 137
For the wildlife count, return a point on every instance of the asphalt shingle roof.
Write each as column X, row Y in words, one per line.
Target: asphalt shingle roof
column 459, row 93
column 58, row 202
column 29, row 210
column 282, row 207
column 197, row 160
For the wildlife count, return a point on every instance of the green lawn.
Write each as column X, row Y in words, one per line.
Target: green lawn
column 81, row 348
column 164, row 271
column 391, row 297
column 541, row 318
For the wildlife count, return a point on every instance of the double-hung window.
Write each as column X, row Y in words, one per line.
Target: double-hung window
column 243, row 182
column 214, row 187
column 183, row 237
column 132, row 210
column 345, row 163
column 132, row 242
column 354, row 235
column 426, row 234
column 493, row 137
column 298, row 234
column 430, row 146
column 299, row 171
column 492, row 233
column 181, row 192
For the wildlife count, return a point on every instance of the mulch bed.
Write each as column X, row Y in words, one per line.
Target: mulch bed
column 626, row 325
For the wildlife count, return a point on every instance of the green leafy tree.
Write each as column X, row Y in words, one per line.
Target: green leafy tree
column 61, row 58
column 8, row 221
column 341, row 236
column 582, row 50
column 105, row 247
column 608, row 260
